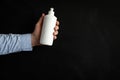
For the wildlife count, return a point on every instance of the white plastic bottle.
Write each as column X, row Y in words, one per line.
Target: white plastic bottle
column 49, row 23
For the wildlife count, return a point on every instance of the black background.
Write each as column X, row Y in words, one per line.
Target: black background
column 87, row 46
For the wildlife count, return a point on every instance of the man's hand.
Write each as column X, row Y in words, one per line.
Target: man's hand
column 37, row 31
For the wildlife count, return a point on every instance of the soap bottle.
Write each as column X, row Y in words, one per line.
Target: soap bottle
column 49, row 23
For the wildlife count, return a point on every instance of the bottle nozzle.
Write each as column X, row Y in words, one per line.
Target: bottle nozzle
column 51, row 11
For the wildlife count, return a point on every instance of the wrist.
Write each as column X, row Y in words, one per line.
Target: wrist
column 33, row 40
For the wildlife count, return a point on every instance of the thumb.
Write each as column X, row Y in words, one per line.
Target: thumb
column 39, row 24
column 41, row 19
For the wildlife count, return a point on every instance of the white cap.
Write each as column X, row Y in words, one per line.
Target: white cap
column 51, row 11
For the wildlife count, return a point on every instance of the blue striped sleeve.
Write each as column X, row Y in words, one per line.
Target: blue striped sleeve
column 10, row 43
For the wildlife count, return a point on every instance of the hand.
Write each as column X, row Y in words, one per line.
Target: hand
column 37, row 31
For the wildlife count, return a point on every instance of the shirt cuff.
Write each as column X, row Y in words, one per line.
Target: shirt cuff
column 25, row 42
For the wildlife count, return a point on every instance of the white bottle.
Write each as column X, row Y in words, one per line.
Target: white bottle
column 49, row 23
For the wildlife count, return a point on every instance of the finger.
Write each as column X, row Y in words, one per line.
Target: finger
column 55, row 33
column 55, row 37
column 57, row 23
column 56, row 28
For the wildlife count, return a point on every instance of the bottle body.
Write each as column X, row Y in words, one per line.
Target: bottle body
column 49, row 23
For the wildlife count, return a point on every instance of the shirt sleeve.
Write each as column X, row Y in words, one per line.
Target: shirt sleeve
column 10, row 43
